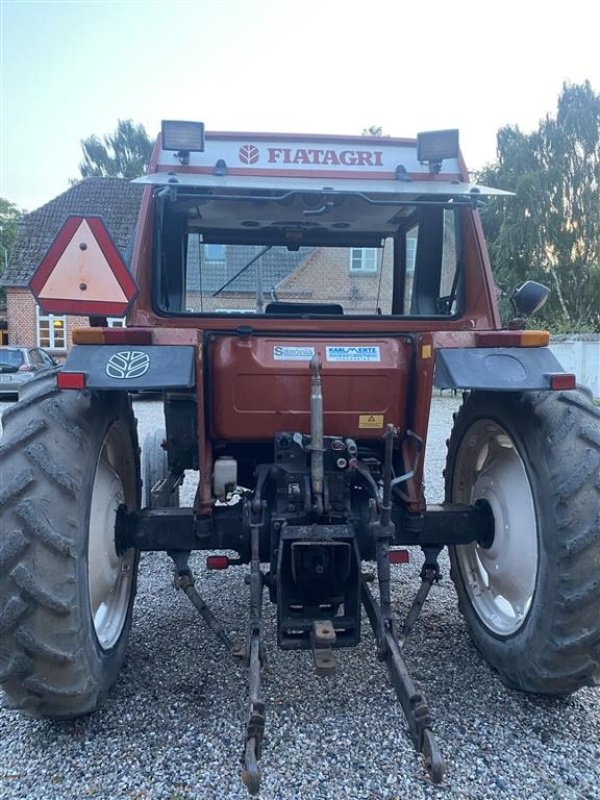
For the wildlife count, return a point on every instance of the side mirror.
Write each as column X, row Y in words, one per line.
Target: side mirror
column 528, row 298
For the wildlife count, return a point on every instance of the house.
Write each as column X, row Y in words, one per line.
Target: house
column 117, row 201
column 228, row 278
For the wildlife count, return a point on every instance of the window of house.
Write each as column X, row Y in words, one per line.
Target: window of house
column 363, row 259
column 51, row 330
column 214, row 252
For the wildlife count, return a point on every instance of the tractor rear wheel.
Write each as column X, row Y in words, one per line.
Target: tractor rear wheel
column 155, row 468
column 68, row 460
column 531, row 598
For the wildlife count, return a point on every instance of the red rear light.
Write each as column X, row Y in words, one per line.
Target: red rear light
column 398, row 556
column 562, row 380
column 127, row 336
column 112, row 336
column 217, row 562
column 71, row 380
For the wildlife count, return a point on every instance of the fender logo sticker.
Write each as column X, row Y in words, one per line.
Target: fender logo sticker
column 370, row 420
column 360, row 353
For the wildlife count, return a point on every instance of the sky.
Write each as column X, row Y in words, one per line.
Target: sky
column 72, row 69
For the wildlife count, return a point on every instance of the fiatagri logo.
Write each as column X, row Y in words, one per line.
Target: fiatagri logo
column 250, row 154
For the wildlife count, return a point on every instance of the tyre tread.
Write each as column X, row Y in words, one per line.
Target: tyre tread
column 39, row 454
column 37, row 526
column 29, row 642
column 25, row 579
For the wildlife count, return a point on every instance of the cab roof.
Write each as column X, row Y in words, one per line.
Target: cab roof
column 263, row 187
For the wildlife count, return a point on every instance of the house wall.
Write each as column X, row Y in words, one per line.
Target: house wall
column 20, row 316
column 21, row 319
column 325, row 277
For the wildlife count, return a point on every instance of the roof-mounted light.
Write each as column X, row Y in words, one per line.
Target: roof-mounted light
column 182, row 137
column 435, row 146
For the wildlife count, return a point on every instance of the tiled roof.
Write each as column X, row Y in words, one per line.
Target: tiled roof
column 275, row 264
column 114, row 199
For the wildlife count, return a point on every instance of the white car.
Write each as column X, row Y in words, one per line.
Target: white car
column 18, row 365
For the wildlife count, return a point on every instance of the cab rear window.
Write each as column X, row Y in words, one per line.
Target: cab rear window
column 408, row 264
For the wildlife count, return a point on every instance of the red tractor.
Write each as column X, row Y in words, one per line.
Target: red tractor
column 295, row 300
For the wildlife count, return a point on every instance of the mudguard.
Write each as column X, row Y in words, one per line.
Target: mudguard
column 501, row 368
column 154, row 367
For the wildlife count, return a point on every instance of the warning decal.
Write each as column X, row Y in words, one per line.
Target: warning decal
column 370, row 421
column 358, row 353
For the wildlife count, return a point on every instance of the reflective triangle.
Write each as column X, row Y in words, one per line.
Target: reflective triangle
column 83, row 273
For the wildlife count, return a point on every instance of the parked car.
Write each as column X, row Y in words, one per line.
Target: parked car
column 18, row 365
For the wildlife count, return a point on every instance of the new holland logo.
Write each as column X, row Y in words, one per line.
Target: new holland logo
column 127, row 364
column 249, row 154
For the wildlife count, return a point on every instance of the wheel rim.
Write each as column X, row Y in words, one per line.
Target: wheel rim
column 110, row 574
column 500, row 580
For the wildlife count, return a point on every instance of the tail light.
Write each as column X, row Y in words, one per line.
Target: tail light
column 217, row 562
column 561, row 381
column 71, row 380
column 399, row 557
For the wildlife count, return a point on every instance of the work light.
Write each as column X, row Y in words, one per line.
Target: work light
column 184, row 137
column 434, row 146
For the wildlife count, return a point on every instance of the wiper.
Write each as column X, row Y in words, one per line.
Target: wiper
column 243, row 269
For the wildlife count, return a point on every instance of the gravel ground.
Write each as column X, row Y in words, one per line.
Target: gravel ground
column 172, row 727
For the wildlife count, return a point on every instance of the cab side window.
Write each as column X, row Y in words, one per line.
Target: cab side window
column 432, row 275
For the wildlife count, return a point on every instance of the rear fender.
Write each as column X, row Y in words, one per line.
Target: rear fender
column 133, row 368
column 500, row 368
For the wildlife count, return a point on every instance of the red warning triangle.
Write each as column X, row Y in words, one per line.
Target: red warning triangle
column 83, row 272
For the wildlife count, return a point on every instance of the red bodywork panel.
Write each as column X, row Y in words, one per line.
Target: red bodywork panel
column 255, row 392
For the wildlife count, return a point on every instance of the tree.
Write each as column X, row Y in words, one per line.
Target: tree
column 373, row 130
column 9, row 221
column 551, row 230
column 122, row 154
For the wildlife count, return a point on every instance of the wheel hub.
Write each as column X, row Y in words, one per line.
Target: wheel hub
column 501, row 578
column 110, row 575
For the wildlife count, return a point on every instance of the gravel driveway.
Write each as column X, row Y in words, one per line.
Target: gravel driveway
column 172, row 727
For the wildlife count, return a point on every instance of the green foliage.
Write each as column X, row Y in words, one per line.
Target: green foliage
column 9, row 221
column 122, row 154
column 550, row 231
column 373, row 130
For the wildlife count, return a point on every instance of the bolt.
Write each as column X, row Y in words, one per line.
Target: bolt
column 83, row 286
column 82, row 246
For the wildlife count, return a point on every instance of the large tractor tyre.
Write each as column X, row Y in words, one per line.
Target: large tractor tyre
column 68, row 460
column 155, row 468
column 532, row 597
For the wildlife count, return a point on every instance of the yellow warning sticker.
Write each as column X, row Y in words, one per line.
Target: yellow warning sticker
column 426, row 351
column 370, row 420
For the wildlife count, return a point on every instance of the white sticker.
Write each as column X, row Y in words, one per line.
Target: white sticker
column 281, row 353
column 360, row 353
